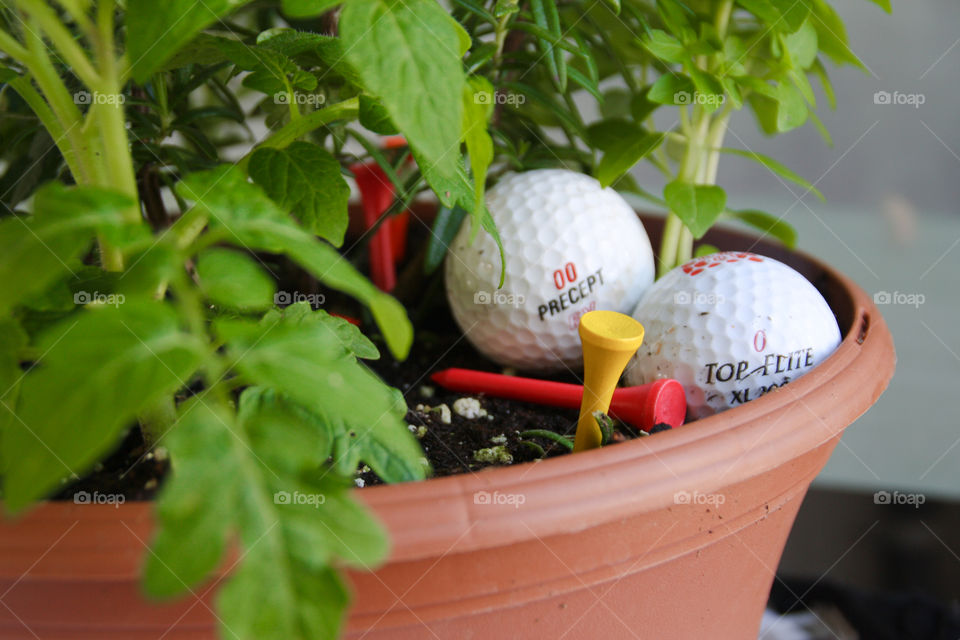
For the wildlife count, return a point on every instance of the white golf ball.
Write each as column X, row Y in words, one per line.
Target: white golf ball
column 730, row 327
column 570, row 247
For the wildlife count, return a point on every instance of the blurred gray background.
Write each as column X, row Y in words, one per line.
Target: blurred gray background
column 891, row 222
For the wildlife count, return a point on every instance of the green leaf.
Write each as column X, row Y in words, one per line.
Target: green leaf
column 546, row 17
column 305, row 179
column 791, row 108
column 883, row 4
column 445, row 227
column 476, row 115
column 777, row 168
column 233, row 280
column 704, row 250
column 198, row 502
column 616, row 103
column 457, row 191
column 709, row 90
column 260, row 473
column 35, row 251
column 272, row 71
column 374, row 116
column 307, row 8
column 832, row 35
column 664, row 46
column 156, row 31
column 698, row 206
column 802, row 44
column 135, row 352
column 505, row 8
column 12, row 340
column 821, row 73
column 673, row 88
column 299, row 358
column 769, row 224
column 626, row 152
column 792, row 12
column 407, row 54
column 462, row 36
column 242, row 212
column 763, row 9
column 674, row 16
column 350, row 336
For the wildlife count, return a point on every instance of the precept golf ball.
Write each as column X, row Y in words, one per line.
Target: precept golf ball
column 570, row 247
column 731, row 327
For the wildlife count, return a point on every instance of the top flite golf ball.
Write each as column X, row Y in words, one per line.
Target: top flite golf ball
column 731, row 327
column 570, row 247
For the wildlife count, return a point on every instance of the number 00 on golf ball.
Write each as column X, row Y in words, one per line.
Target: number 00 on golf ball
column 731, row 327
column 570, row 247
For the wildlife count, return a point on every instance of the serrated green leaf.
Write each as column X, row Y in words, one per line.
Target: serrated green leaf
column 883, row 4
column 792, row 13
column 462, row 36
column 374, row 116
column 271, row 70
column 769, row 224
column 305, row 179
column 698, row 206
column 307, row 8
column 135, row 352
column 35, row 251
column 477, row 109
column 407, row 54
column 350, row 336
column 298, row 359
column 243, row 213
column 260, row 473
column 233, row 280
column 776, row 167
column 156, row 31
column 458, row 191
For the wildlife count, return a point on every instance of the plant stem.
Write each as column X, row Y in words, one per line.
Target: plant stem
column 499, row 39
column 705, row 133
column 345, row 109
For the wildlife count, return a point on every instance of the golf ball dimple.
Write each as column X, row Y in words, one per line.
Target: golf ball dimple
column 570, row 247
column 731, row 327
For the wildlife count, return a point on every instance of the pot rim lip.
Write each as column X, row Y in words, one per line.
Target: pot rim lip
column 572, row 492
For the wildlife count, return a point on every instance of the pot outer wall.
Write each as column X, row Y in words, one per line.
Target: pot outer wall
column 676, row 536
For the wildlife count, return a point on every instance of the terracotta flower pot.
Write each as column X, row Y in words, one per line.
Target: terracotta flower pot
column 674, row 536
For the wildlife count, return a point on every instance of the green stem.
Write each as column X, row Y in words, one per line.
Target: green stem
column 61, row 103
column 500, row 38
column 345, row 110
column 63, row 41
column 157, row 419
